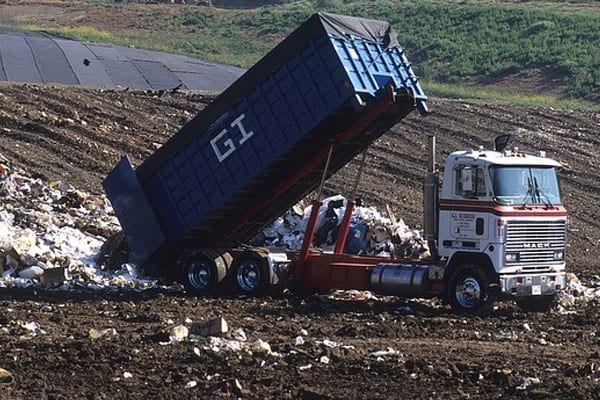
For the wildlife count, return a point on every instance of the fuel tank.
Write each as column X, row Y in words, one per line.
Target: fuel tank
column 402, row 280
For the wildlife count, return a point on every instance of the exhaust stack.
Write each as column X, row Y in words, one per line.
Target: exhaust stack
column 430, row 200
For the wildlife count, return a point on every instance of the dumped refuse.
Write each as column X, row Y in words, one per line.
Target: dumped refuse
column 50, row 236
column 371, row 233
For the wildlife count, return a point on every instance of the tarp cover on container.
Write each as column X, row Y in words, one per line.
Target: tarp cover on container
column 371, row 29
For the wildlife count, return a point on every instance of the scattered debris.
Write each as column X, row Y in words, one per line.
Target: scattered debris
column 577, row 293
column 179, row 333
column 330, row 343
column 504, row 335
column 333, row 344
column 260, row 346
column 527, row 382
column 197, row 351
column 191, row 384
column 53, row 277
column 218, row 344
column 216, row 326
column 30, row 326
column 387, row 352
column 239, row 334
column 49, row 237
column 237, row 387
column 96, row 334
column 5, row 377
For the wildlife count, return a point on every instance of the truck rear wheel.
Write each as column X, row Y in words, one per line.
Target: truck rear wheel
column 468, row 291
column 250, row 274
column 202, row 271
column 536, row 303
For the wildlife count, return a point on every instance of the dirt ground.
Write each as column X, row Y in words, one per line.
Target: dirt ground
column 115, row 345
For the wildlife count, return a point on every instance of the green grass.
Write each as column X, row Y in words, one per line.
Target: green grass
column 84, row 33
column 447, row 43
column 451, row 43
column 461, row 91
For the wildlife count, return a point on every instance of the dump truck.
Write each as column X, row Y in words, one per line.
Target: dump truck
column 496, row 229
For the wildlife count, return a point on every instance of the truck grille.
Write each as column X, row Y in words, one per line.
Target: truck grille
column 536, row 242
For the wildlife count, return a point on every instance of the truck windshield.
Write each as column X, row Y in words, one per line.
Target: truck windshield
column 525, row 185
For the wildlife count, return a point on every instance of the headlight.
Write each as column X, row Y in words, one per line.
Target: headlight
column 511, row 257
column 559, row 255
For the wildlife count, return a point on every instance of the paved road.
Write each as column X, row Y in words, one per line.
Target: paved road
column 41, row 58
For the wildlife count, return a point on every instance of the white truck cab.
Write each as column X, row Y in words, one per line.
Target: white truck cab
column 502, row 220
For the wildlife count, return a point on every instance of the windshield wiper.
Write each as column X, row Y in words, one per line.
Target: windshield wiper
column 541, row 195
column 530, row 192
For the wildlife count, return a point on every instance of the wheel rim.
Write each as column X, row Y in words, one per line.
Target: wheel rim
column 248, row 275
column 468, row 293
column 199, row 275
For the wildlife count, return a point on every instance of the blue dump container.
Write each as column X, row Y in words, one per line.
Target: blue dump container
column 261, row 145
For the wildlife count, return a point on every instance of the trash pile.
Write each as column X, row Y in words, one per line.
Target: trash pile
column 51, row 233
column 577, row 293
column 370, row 232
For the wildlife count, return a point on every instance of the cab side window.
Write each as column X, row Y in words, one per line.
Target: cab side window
column 470, row 181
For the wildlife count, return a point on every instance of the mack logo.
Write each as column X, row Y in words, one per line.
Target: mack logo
column 536, row 245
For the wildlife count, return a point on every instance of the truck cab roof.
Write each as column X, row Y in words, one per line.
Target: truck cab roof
column 507, row 157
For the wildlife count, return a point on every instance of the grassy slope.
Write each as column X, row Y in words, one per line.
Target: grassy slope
column 547, row 47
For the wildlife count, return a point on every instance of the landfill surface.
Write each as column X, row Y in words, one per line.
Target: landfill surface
column 79, row 322
column 38, row 57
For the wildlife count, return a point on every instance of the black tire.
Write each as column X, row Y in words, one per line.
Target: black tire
column 202, row 271
column 250, row 274
column 469, row 292
column 537, row 303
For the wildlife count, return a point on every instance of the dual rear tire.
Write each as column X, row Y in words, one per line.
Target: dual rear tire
column 250, row 274
column 209, row 272
column 203, row 271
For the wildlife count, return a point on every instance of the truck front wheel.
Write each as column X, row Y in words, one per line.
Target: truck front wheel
column 468, row 291
column 202, row 271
